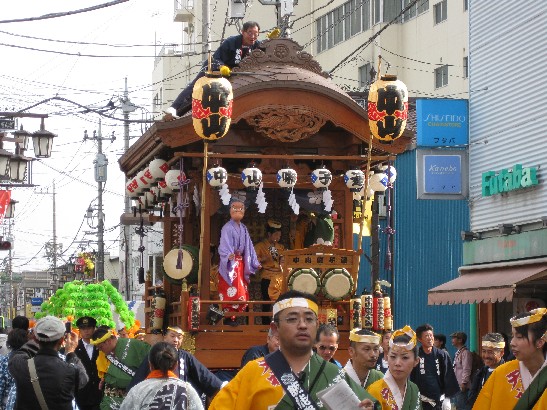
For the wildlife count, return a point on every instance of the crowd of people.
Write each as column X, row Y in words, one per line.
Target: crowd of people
column 51, row 366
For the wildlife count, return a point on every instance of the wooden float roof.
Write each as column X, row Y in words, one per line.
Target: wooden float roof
column 282, row 93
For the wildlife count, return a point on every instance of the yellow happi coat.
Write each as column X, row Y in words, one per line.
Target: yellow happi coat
column 504, row 388
column 382, row 392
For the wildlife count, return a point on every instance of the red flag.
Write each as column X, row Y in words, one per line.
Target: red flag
column 5, row 197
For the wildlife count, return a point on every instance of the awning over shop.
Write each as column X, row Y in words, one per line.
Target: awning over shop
column 484, row 284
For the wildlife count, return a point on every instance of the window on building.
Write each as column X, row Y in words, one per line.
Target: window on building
column 465, row 67
column 422, row 6
column 440, row 11
column 411, row 12
column 337, row 16
column 392, row 8
column 364, row 75
column 441, row 76
column 465, row 5
column 365, row 9
column 377, row 11
column 353, row 9
column 320, row 26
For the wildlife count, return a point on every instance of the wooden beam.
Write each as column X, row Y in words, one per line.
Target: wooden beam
column 284, row 156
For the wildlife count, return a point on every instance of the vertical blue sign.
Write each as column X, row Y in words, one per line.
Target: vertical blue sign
column 442, row 174
column 442, row 122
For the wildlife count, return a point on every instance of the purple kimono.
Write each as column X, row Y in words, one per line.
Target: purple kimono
column 235, row 238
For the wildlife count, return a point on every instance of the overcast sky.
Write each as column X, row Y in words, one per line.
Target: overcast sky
column 53, row 57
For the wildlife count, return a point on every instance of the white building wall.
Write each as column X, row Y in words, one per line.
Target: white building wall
column 508, row 53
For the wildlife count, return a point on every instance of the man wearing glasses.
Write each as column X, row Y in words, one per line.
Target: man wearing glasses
column 238, row 261
column 290, row 377
column 230, row 53
column 326, row 343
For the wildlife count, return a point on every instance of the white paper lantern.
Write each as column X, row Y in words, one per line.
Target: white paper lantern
column 392, row 174
column 354, row 179
column 149, row 199
column 379, row 182
column 251, row 178
column 172, row 178
column 144, row 183
column 158, row 168
column 132, row 188
column 286, row 178
column 164, row 190
column 321, row 178
column 216, row 177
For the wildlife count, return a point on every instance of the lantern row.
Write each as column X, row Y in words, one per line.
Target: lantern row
column 157, row 182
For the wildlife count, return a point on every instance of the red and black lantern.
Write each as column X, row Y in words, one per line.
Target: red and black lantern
column 387, row 108
column 212, row 99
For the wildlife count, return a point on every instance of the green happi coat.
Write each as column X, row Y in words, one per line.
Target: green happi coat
column 130, row 352
column 256, row 388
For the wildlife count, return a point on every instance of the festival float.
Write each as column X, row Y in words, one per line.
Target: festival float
column 290, row 144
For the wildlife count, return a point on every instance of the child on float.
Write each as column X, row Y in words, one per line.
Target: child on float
column 395, row 391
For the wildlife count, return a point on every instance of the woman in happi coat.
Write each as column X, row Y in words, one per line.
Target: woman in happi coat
column 162, row 389
column 522, row 383
column 395, row 391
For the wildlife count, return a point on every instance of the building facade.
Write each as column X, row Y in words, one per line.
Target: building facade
column 505, row 251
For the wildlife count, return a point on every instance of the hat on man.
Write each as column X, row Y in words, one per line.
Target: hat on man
column 49, row 329
column 459, row 335
column 86, row 321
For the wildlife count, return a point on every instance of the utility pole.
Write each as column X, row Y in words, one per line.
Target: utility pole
column 127, row 108
column 206, row 29
column 54, row 234
column 101, row 163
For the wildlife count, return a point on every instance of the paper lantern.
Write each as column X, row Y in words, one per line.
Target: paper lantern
column 286, row 178
column 212, row 99
column 321, row 178
column 354, row 180
column 132, row 188
column 216, row 177
column 164, row 190
column 378, row 182
column 158, row 168
column 149, row 199
column 172, row 179
column 387, row 108
column 251, row 177
column 392, row 174
column 144, row 182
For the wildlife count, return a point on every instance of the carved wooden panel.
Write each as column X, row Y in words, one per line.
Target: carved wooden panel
column 286, row 124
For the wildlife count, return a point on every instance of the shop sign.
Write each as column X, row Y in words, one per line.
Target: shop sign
column 442, row 122
column 529, row 244
column 508, row 180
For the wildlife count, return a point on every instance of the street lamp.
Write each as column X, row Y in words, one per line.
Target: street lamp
column 5, row 157
column 18, row 167
column 43, row 142
column 10, row 210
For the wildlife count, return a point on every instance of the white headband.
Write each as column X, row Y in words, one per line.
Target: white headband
column 295, row 302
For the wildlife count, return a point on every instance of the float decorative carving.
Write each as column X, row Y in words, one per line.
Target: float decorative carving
column 287, row 124
column 280, row 51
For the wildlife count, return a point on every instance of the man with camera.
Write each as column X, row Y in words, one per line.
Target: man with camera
column 46, row 380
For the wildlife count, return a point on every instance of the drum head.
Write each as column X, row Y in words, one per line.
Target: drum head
column 170, row 264
column 305, row 280
column 337, row 284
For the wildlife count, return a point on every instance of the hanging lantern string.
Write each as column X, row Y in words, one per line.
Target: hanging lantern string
column 182, row 205
column 388, row 230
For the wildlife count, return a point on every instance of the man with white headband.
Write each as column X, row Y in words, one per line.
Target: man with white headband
column 290, row 377
column 522, row 383
column 364, row 349
column 493, row 347
column 395, row 391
